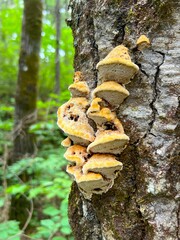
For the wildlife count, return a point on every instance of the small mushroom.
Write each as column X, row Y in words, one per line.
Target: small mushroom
column 66, row 142
column 105, row 164
column 73, row 121
column 89, row 183
column 103, row 116
column 111, row 92
column 108, row 141
column 78, row 77
column 117, row 66
column 79, row 89
column 98, row 114
column 142, row 42
column 73, row 170
column 76, row 154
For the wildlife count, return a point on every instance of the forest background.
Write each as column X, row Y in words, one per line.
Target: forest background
column 47, row 186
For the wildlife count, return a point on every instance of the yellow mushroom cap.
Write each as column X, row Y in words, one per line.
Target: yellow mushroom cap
column 76, row 154
column 117, row 66
column 142, row 42
column 66, row 142
column 142, row 39
column 79, row 89
column 73, row 121
column 78, row 76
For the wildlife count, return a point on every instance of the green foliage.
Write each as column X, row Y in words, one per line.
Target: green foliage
column 9, row 230
column 10, row 28
column 10, row 36
column 49, row 182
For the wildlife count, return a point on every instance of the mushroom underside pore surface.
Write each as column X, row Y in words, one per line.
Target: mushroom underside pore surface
column 113, row 144
column 114, row 98
column 118, row 72
column 112, row 92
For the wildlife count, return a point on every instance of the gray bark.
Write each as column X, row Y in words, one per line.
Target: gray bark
column 143, row 204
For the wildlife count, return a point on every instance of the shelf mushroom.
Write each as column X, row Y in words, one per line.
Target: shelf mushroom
column 79, row 89
column 117, row 66
column 108, row 141
column 73, row 121
column 142, row 42
column 76, row 154
column 66, row 142
column 111, row 92
column 78, row 76
column 105, row 164
column 103, row 117
column 89, row 183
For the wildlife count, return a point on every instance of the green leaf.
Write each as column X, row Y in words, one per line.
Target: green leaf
column 66, row 230
column 17, row 189
column 9, row 229
column 51, row 211
column 35, row 192
column 48, row 223
column 58, row 238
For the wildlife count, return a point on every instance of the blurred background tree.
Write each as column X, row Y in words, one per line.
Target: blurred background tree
column 47, row 188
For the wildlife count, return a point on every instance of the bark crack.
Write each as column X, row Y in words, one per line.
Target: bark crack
column 155, row 93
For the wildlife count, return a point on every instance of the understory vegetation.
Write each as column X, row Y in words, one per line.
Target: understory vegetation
column 47, row 186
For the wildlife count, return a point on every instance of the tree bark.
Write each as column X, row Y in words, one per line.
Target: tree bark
column 143, row 203
column 26, row 92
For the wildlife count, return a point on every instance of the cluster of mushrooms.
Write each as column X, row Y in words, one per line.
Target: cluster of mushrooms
column 95, row 135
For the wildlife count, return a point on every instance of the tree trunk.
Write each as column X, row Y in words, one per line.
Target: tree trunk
column 58, row 35
column 26, row 96
column 26, row 92
column 143, row 203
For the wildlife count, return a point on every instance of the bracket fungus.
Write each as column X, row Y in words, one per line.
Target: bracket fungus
column 90, row 182
column 142, row 42
column 104, row 117
column 73, row 121
column 111, row 92
column 108, row 141
column 105, row 164
column 66, row 142
column 117, row 66
column 76, row 154
column 95, row 134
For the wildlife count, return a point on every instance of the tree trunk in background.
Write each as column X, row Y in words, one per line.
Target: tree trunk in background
column 58, row 36
column 26, row 92
column 26, row 96
column 143, row 203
